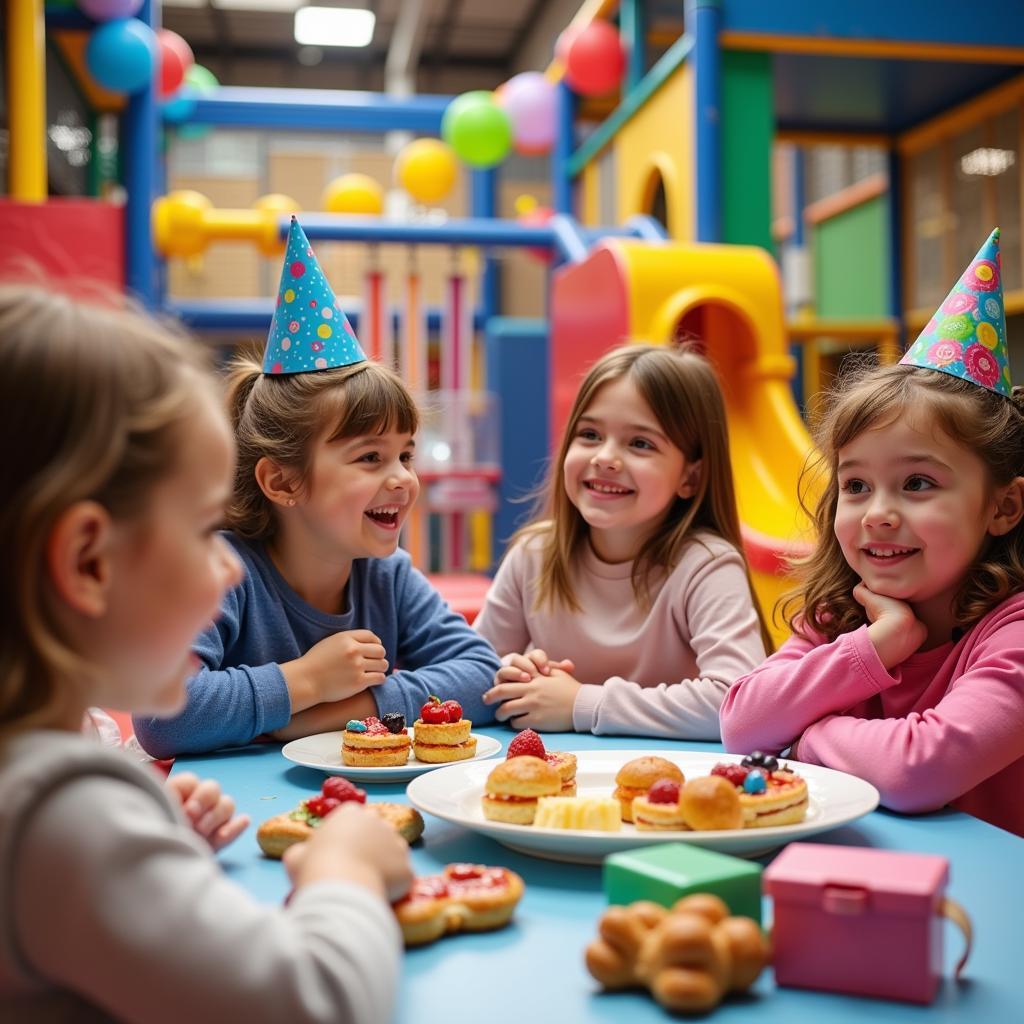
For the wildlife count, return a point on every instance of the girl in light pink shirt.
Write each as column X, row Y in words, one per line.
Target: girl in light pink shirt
column 627, row 606
column 907, row 662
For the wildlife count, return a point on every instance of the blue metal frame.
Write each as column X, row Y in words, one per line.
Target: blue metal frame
column 703, row 18
column 139, row 148
column 484, row 204
column 561, row 152
column 633, row 28
column 320, row 110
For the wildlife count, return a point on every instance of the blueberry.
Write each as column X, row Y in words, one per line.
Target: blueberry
column 394, row 721
column 754, row 760
column 770, row 764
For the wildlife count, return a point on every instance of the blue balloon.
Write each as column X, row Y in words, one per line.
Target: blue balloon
column 180, row 106
column 122, row 54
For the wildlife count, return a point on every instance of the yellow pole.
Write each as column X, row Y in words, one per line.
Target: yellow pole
column 26, row 100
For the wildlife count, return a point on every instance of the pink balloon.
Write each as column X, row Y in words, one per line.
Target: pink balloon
column 531, row 103
column 595, row 60
column 104, row 10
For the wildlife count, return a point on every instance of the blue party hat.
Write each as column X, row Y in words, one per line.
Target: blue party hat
column 966, row 337
column 309, row 331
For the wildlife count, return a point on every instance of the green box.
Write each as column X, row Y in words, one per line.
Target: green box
column 668, row 872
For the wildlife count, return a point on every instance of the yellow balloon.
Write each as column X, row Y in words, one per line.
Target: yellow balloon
column 179, row 226
column 271, row 207
column 354, row 193
column 426, row 169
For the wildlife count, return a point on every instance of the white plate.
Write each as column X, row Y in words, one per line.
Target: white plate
column 323, row 752
column 454, row 794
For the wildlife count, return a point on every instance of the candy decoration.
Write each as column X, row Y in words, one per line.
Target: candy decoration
column 354, row 725
column 755, row 781
column 309, row 331
column 966, row 337
column 394, row 722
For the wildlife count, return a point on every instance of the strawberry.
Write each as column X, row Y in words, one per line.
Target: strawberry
column 433, row 712
column 734, row 773
column 526, row 743
column 664, row 791
column 454, row 709
column 337, row 788
column 321, row 806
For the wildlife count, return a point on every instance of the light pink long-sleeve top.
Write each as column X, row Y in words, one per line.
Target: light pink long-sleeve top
column 658, row 671
column 944, row 727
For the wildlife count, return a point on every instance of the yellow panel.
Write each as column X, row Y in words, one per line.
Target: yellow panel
column 590, row 192
column 659, row 139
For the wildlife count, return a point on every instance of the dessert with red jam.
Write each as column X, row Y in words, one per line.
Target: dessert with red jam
column 441, row 734
column 372, row 743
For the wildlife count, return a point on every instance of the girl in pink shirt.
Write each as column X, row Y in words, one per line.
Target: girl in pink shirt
column 906, row 666
column 627, row 606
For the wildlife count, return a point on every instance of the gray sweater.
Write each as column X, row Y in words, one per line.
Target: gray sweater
column 112, row 908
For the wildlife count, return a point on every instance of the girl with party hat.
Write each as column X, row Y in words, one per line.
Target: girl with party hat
column 906, row 666
column 331, row 621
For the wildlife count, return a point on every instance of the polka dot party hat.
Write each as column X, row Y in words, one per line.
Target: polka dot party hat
column 966, row 337
column 309, row 331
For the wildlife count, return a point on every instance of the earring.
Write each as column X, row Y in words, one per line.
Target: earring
column 291, row 502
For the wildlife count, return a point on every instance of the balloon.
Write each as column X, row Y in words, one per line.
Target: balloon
column 354, row 193
column 104, row 10
column 121, row 55
column 530, row 213
column 272, row 206
column 175, row 59
column 199, row 81
column 564, row 41
column 426, row 169
column 477, row 129
column 595, row 60
column 531, row 102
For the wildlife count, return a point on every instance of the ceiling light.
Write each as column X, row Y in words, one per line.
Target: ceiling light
column 333, row 26
column 987, row 162
column 287, row 6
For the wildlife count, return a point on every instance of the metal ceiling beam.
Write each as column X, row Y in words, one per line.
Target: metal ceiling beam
column 406, row 45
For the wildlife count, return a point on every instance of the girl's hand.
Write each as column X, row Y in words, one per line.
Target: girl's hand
column 353, row 845
column 339, row 666
column 895, row 631
column 210, row 812
column 543, row 703
column 530, row 665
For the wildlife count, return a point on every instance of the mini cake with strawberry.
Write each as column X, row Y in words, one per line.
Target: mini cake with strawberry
column 636, row 777
column 769, row 794
column 441, row 734
column 658, row 809
column 278, row 833
column 529, row 744
column 375, row 742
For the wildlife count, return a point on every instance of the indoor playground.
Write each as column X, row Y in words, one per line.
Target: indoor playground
column 498, row 195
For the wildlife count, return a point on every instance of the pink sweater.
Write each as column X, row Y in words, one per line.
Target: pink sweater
column 661, row 671
column 945, row 726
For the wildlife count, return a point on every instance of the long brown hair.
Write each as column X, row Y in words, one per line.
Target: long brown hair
column 683, row 392
column 281, row 418
column 93, row 399
column 985, row 423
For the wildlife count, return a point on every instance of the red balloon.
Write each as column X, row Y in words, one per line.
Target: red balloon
column 595, row 60
column 175, row 59
column 564, row 41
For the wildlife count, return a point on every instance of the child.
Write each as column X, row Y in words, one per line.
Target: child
column 907, row 663
column 116, row 475
column 634, row 576
column 331, row 621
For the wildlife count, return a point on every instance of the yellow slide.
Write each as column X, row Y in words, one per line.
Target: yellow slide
column 728, row 299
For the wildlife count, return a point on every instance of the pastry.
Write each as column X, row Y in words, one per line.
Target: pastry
column 278, row 833
column 710, row 802
column 769, row 794
column 529, row 743
column 375, row 743
column 659, row 809
column 463, row 898
column 637, row 776
column 513, row 787
column 441, row 734
column 690, row 957
column 593, row 813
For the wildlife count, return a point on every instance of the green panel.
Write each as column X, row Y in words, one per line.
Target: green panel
column 851, row 262
column 748, row 129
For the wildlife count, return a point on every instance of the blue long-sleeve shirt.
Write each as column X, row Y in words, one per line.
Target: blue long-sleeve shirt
column 240, row 693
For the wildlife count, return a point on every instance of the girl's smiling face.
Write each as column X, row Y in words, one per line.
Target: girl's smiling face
column 915, row 509
column 622, row 473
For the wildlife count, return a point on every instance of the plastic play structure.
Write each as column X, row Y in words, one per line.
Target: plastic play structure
column 661, row 228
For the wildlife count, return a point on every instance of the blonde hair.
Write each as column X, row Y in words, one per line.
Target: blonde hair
column 985, row 423
column 92, row 399
column 281, row 418
column 683, row 392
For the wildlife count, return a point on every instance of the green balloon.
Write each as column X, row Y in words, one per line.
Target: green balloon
column 201, row 80
column 477, row 129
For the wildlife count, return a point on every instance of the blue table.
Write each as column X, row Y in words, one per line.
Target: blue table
column 532, row 972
